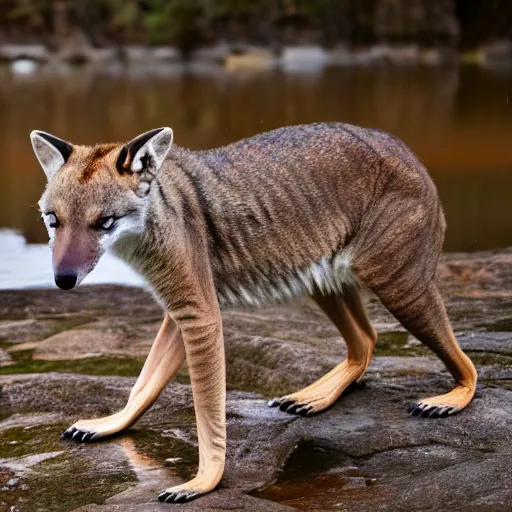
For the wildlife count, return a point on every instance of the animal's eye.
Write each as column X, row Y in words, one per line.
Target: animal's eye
column 105, row 223
column 53, row 221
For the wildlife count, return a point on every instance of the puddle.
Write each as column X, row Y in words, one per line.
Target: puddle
column 316, row 478
column 167, row 448
column 38, row 471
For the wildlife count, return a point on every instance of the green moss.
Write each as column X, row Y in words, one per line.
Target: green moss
column 65, row 324
column 14, row 315
column 501, row 325
column 120, row 366
column 490, row 359
column 66, row 485
column 19, row 441
column 63, row 483
column 4, row 413
column 254, row 354
column 186, row 416
column 22, row 356
column 406, row 372
column 182, row 376
column 498, row 383
column 267, row 390
column 45, row 327
column 394, row 344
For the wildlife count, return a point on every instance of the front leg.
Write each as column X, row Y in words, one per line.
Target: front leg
column 162, row 363
column 204, row 348
column 192, row 303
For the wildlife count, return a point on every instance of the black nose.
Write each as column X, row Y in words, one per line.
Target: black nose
column 65, row 281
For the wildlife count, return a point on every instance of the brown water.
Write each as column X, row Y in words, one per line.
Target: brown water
column 459, row 121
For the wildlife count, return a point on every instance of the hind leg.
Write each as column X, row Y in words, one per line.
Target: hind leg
column 425, row 318
column 348, row 314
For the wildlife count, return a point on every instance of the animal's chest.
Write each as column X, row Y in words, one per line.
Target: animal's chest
column 258, row 289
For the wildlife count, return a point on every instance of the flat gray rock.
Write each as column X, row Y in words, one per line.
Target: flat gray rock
column 363, row 454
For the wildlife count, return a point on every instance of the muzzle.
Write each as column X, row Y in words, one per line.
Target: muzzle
column 75, row 252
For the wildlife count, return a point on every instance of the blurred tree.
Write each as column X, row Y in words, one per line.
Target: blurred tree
column 25, row 13
column 178, row 22
column 190, row 23
column 484, row 21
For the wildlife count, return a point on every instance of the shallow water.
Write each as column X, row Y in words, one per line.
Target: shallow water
column 458, row 120
column 25, row 265
column 316, row 479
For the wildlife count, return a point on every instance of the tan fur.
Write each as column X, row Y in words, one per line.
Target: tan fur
column 317, row 209
column 348, row 314
column 163, row 361
column 95, row 161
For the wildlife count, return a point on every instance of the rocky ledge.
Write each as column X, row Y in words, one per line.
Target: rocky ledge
column 65, row 356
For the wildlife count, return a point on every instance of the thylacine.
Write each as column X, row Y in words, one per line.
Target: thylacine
column 316, row 209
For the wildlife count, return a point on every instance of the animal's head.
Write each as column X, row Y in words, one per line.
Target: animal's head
column 95, row 196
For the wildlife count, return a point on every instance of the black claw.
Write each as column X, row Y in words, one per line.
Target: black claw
column 294, row 408
column 431, row 411
column 435, row 412
column 177, row 496
column 284, row 405
column 426, row 412
column 444, row 412
column 416, row 411
column 87, row 437
column 304, row 411
column 412, row 407
column 163, row 496
column 274, row 402
column 67, row 434
column 171, row 498
column 79, row 436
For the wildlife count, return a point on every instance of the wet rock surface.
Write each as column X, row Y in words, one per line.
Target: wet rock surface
column 76, row 355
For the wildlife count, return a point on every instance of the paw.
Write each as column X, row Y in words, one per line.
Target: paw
column 177, row 495
column 292, row 406
column 426, row 410
column 79, row 435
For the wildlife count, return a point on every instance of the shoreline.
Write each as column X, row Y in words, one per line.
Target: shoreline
column 28, row 57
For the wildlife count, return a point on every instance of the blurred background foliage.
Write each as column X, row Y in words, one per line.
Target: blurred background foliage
column 192, row 23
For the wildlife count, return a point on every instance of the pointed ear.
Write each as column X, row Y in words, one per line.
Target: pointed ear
column 51, row 152
column 146, row 152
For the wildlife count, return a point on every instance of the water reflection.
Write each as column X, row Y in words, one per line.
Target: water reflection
column 457, row 120
column 30, row 266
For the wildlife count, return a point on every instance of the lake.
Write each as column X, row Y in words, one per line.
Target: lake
column 458, row 120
